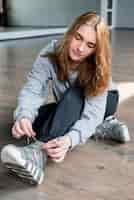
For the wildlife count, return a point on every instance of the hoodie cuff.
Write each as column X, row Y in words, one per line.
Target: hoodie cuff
column 75, row 137
column 24, row 114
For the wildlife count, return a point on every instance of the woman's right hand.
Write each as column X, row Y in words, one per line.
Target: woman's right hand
column 23, row 127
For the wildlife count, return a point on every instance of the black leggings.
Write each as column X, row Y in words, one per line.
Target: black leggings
column 55, row 119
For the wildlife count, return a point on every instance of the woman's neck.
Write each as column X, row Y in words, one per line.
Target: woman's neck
column 74, row 65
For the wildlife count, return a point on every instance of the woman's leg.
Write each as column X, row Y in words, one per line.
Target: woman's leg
column 44, row 113
column 112, row 128
column 55, row 119
column 112, row 102
column 61, row 116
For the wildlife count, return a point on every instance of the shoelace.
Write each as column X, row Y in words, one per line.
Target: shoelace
column 101, row 136
column 31, row 139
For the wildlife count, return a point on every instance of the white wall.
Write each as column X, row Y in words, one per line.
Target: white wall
column 47, row 12
column 125, row 14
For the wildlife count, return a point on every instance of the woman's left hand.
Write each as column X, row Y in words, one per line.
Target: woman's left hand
column 57, row 148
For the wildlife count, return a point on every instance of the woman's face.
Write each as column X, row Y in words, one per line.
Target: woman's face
column 83, row 43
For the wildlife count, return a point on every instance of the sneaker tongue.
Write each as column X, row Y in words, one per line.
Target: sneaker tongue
column 34, row 153
column 36, row 144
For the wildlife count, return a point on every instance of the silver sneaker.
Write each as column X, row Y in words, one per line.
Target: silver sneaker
column 27, row 162
column 113, row 129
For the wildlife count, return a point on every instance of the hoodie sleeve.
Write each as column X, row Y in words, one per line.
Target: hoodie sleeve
column 35, row 90
column 92, row 116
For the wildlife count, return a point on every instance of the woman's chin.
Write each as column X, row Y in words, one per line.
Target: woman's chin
column 75, row 59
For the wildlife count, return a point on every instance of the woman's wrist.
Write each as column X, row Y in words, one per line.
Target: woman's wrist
column 69, row 141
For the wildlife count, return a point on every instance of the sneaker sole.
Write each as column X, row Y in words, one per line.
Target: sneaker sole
column 35, row 177
column 124, row 134
column 24, row 169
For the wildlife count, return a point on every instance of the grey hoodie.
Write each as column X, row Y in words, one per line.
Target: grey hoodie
column 35, row 93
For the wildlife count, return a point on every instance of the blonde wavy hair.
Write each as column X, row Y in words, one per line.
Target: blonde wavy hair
column 94, row 71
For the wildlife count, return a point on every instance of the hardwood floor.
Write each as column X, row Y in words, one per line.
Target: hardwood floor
column 97, row 170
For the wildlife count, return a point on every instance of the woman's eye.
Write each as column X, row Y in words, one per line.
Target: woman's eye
column 77, row 37
column 91, row 46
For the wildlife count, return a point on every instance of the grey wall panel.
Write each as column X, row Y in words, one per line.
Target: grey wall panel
column 47, row 12
column 125, row 14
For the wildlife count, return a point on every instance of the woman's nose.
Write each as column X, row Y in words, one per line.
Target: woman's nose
column 81, row 47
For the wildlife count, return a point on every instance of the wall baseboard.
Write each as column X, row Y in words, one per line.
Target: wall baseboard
column 18, row 34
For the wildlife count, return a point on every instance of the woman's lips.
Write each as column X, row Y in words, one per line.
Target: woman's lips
column 76, row 54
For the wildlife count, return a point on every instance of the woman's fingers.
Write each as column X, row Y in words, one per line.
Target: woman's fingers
column 63, row 141
column 51, row 144
column 58, row 155
column 58, row 160
column 17, row 131
column 28, row 123
column 30, row 128
column 23, row 127
column 14, row 133
column 26, row 127
column 57, row 148
column 55, row 151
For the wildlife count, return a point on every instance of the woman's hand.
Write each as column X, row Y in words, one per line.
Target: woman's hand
column 22, row 127
column 57, row 148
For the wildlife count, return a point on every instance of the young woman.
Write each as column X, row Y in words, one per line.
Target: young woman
column 78, row 67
